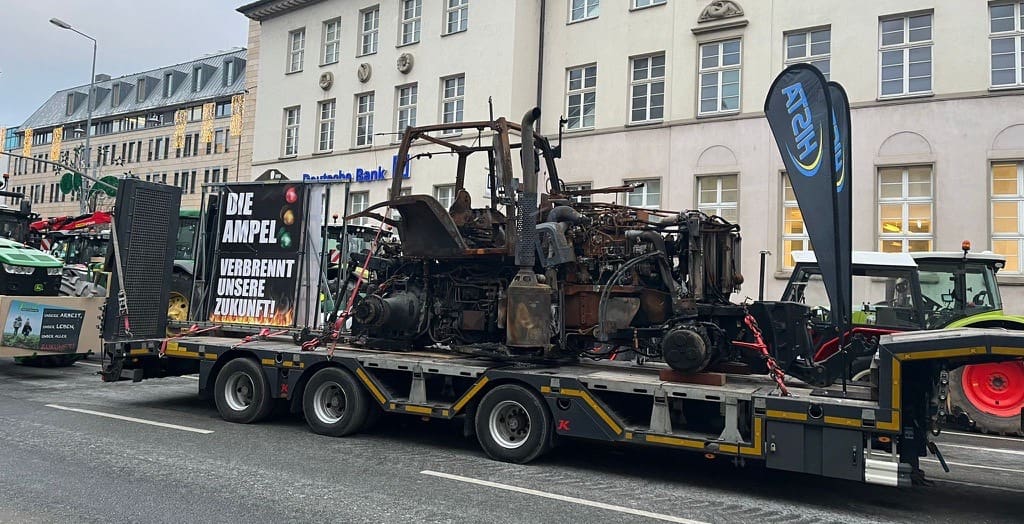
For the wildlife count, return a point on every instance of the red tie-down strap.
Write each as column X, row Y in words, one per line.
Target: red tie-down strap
column 264, row 334
column 192, row 331
column 761, row 347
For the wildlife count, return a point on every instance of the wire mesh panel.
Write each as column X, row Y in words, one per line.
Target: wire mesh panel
column 146, row 226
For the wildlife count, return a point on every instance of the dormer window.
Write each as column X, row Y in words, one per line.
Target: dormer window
column 70, row 110
column 229, row 72
column 140, row 90
column 168, row 84
column 115, row 94
column 197, row 79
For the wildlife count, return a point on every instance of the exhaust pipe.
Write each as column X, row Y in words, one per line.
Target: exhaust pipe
column 526, row 245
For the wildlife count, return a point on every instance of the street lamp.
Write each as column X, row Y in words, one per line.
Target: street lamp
column 88, row 119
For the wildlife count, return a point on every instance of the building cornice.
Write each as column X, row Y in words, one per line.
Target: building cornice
column 265, row 9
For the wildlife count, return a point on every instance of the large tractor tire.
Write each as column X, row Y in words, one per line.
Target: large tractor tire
column 74, row 282
column 990, row 395
column 179, row 298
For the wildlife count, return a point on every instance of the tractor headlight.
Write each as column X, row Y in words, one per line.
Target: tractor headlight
column 19, row 270
column 53, row 271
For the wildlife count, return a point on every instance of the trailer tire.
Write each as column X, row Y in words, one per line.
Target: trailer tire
column 513, row 424
column 334, row 404
column 242, row 393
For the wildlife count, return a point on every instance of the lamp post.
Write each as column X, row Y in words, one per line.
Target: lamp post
column 88, row 118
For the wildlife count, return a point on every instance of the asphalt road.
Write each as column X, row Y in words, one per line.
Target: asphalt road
column 60, row 465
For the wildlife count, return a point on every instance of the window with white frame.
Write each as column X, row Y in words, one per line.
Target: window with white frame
column 370, row 25
column 905, row 209
column 646, row 193
column 584, row 9
column 291, row 131
column 794, row 234
column 453, row 94
column 810, row 46
column 1007, row 212
column 581, row 97
column 364, row 119
column 647, row 89
column 456, row 13
column 296, row 49
column 358, row 202
column 1006, row 26
column 332, row 42
column 905, row 55
column 406, row 108
column 229, row 72
column 719, row 73
column 412, row 11
column 581, row 199
column 326, row 138
column 640, row 4
column 719, row 195
column 444, row 195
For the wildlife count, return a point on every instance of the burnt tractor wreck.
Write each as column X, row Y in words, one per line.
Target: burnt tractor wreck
column 528, row 278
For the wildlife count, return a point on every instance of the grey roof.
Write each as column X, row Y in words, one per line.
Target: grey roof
column 54, row 111
column 261, row 10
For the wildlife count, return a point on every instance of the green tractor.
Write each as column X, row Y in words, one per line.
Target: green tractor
column 913, row 291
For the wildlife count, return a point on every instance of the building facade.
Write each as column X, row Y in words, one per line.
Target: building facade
column 133, row 132
column 669, row 93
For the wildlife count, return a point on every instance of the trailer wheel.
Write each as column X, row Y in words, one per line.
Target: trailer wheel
column 334, row 404
column 513, row 424
column 241, row 392
column 992, row 395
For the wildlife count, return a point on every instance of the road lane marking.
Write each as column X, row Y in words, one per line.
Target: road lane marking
column 986, row 486
column 563, row 498
column 976, row 448
column 979, row 435
column 131, row 419
column 963, row 465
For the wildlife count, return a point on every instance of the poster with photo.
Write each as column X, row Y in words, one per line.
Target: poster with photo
column 42, row 327
column 257, row 262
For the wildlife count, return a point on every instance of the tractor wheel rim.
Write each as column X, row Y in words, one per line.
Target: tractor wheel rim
column 329, row 402
column 239, row 391
column 996, row 388
column 509, row 424
column 177, row 307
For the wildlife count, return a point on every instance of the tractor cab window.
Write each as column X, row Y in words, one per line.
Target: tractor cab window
column 882, row 297
column 13, row 229
column 951, row 291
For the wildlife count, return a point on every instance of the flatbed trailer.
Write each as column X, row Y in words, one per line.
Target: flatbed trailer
column 873, row 433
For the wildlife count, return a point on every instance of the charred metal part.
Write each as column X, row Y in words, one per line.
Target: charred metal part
column 687, row 348
column 529, row 312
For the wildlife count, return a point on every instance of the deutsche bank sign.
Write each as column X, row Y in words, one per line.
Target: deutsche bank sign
column 360, row 175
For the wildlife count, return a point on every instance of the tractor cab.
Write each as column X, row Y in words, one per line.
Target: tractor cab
column 14, row 222
column 955, row 286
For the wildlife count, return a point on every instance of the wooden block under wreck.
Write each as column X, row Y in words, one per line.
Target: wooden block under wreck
column 706, row 379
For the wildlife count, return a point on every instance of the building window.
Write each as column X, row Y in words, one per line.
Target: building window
column 412, row 10
column 1007, row 207
column 456, row 14
column 452, row 98
column 115, row 95
column 794, row 234
column 444, row 195
column 646, row 193
column 406, row 113
column 70, row 107
column 364, row 119
column 296, row 49
column 648, row 89
column 720, row 77
column 905, row 46
column 580, row 199
column 640, row 4
column 229, row 72
column 197, row 79
column 719, row 196
column 357, row 203
column 581, row 97
column 140, row 90
column 368, row 35
column 291, row 131
column 810, row 47
column 332, row 42
column 326, row 139
column 1006, row 23
column 584, row 9
column 905, row 209
column 222, row 109
column 168, row 84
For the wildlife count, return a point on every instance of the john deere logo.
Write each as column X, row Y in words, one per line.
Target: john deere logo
column 804, row 136
column 38, row 288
